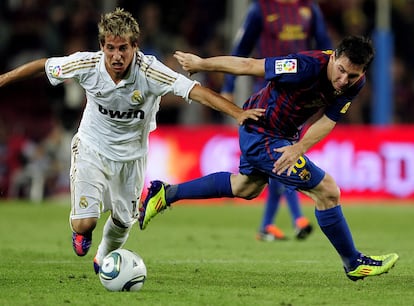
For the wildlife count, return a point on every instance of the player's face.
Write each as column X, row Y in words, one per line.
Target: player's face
column 119, row 54
column 342, row 73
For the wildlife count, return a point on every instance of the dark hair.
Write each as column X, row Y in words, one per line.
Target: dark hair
column 358, row 49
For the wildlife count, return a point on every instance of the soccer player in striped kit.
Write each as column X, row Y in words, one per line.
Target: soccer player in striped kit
column 275, row 28
column 316, row 86
column 109, row 152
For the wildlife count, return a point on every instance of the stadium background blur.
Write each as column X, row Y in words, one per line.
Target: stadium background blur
column 37, row 121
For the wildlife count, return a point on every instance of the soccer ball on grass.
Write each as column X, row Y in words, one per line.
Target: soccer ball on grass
column 122, row 270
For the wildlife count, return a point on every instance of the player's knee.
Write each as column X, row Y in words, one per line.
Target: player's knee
column 247, row 193
column 247, row 187
column 250, row 196
column 333, row 192
column 328, row 193
column 83, row 226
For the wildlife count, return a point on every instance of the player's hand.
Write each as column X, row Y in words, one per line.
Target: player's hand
column 254, row 114
column 189, row 62
column 288, row 159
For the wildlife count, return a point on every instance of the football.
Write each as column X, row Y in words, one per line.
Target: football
column 122, row 270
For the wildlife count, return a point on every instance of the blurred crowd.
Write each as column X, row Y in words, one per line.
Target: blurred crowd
column 37, row 121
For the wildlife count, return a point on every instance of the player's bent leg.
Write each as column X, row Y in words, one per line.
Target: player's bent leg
column 333, row 224
column 82, row 234
column 326, row 194
column 214, row 185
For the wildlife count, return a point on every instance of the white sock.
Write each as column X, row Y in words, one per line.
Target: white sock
column 113, row 237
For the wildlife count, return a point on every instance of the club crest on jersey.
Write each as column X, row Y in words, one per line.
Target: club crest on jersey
column 83, row 202
column 345, row 108
column 286, row 66
column 305, row 175
column 56, row 71
column 136, row 97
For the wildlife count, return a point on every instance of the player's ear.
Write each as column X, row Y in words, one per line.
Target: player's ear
column 101, row 43
column 333, row 57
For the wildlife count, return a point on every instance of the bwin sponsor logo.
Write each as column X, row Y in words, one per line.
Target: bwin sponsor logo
column 131, row 113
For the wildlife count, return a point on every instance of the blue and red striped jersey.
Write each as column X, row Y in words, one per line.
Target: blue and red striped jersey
column 298, row 87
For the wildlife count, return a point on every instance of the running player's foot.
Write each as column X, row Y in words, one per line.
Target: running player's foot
column 154, row 203
column 271, row 233
column 81, row 243
column 371, row 266
column 303, row 228
column 96, row 265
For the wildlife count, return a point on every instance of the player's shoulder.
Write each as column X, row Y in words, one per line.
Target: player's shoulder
column 313, row 60
column 84, row 58
column 74, row 64
column 144, row 60
column 321, row 56
column 79, row 59
column 151, row 66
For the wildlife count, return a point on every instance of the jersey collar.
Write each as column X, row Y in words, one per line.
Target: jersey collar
column 130, row 77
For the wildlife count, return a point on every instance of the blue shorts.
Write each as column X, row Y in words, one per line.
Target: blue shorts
column 257, row 156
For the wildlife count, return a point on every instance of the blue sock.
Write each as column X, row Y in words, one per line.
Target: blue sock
column 335, row 227
column 275, row 190
column 215, row 185
column 292, row 200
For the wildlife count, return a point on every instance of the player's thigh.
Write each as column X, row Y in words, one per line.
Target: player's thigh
column 124, row 190
column 87, row 182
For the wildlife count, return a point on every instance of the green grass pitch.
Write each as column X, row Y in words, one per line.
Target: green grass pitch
column 205, row 255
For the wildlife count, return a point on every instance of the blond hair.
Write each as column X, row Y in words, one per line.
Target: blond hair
column 118, row 23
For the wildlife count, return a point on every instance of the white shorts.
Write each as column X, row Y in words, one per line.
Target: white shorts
column 99, row 184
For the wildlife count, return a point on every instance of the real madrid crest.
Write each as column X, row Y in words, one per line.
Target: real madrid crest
column 136, row 97
column 83, row 202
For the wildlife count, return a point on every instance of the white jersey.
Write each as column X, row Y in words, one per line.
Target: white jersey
column 118, row 118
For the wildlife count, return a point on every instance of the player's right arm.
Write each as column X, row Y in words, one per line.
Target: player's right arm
column 227, row 64
column 212, row 99
column 29, row 70
column 291, row 153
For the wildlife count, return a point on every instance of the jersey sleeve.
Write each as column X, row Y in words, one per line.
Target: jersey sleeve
column 343, row 102
column 59, row 69
column 294, row 68
column 163, row 80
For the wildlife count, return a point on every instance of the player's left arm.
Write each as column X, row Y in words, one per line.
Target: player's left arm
column 214, row 100
column 227, row 64
column 290, row 154
column 29, row 70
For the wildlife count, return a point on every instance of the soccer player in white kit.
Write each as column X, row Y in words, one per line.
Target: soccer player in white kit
column 109, row 152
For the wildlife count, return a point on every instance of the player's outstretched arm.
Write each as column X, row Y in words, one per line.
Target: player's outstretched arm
column 227, row 64
column 290, row 154
column 214, row 100
column 29, row 70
